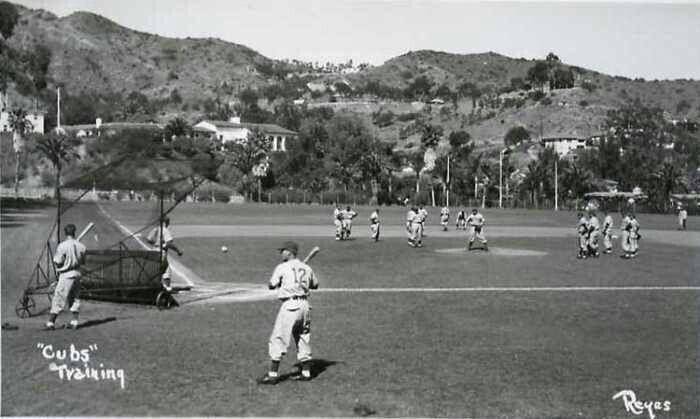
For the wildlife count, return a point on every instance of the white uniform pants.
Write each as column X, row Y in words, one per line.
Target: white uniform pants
column 414, row 233
column 338, row 227
column 374, row 231
column 634, row 242
column 473, row 234
column 593, row 240
column 626, row 242
column 293, row 321
column 67, row 293
column 607, row 240
column 347, row 227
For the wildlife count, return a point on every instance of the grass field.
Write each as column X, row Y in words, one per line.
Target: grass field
column 396, row 331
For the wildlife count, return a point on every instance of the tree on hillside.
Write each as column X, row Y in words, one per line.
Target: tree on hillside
column 177, row 127
column 516, row 135
column 668, row 178
column 470, row 90
column 562, row 78
column 538, row 74
column 20, row 126
column 240, row 157
column 419, row 88
column 8, row 19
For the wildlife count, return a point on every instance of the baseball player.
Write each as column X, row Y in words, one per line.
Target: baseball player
column 338, row 221
column 593, row 235
column 634, row 235
column 292, row 279
column 444, row 217
column 348, row 214
column 413, row 228
column 582, row 230
column 607, row 233
column 374, row 225
column 476, row 223
column 167, row 243
column 70, row 254
column 682, row 217
column 461, row 220
column 422, row 216
column 625, row 241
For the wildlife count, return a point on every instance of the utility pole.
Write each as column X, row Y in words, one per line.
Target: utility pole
column 556, row 183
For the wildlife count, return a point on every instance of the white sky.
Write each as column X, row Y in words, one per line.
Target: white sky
column 632, row 39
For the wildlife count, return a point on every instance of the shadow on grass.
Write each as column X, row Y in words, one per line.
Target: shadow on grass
column 96, row 322
column 317, row 366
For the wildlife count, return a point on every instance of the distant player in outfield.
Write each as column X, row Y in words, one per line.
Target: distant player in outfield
column 625, row 239
column 348, row 214
column 593, row 234
column 374, row 225
column 168, row 243
column 292, row 279
column 582, row 230
column 682, row 217
column 422, row 216
column 338, row 221
column 461, row 220
column 607, row 233
column 413, row 228
column 444, row 217
column 70, row 254
column 634, row 235
column 476, row 223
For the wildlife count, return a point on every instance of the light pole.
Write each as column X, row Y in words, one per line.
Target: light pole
column 556, row 182
column 502, row 154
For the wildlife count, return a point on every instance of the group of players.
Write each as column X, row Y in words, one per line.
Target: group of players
column 590, row 232
column 415, row 225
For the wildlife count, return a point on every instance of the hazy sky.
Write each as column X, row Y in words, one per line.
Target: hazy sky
column 632, row 39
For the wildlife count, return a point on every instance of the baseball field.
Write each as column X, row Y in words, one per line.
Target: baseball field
column 523, row 331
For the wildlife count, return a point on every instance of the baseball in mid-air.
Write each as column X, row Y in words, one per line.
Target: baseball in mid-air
column 224, row 249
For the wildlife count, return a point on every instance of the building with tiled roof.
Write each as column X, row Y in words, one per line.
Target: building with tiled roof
column 235, row 130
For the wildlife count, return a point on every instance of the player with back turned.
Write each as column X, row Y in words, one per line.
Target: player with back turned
column 70, row 254
column 293, row 280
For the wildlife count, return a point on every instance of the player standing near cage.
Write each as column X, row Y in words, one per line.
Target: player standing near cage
column 607, row 233
column 476, row 223
column 374, row 225
column 293, row 280
column 444, row 217
column 167, row 242
column 70, row 254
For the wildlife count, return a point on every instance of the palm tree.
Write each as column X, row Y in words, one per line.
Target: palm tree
column 20, row 125
column 578, row 180
column 667, row 178
column 58, row 148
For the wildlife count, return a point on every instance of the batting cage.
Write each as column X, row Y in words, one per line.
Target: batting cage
column 120, row 210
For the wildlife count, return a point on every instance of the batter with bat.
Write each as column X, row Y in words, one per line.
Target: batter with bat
column 70, row 254
column 293, row 279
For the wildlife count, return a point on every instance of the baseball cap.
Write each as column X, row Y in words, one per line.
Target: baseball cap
column 289, row 245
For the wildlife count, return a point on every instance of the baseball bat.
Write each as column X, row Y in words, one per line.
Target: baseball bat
column 311, row 254
column 85, row 230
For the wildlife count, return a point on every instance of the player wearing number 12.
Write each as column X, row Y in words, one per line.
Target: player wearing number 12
column 292, row 279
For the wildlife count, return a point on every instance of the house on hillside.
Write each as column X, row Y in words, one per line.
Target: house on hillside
column 235, row 130
column 569, row 143
column 108, row 128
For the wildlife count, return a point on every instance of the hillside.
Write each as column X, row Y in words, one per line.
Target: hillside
column 90, row 54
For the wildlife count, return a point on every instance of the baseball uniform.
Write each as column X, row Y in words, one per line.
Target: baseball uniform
column 607, row 233
column 634, row 236
column 413, row 228
column 422, row 216
column 338, row 221
column 593, row 235
column 167, row 242
column 293, row 279
column 682, row 218
column 347, row 215
column 582, row 230
column 374, row 226
column 461, row 220
column 70, row 254
column 444, row 217
column 476, row 222
column 625, row 241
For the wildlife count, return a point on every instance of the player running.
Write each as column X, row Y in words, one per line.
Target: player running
column 582, row 229
column 374, row 225
column 607, row 233
column 292, row 279
column 476, row 223
column 444, row 217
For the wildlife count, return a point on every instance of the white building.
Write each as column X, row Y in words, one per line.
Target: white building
column 235, row 130
column 36, row 119
column 566, row 143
